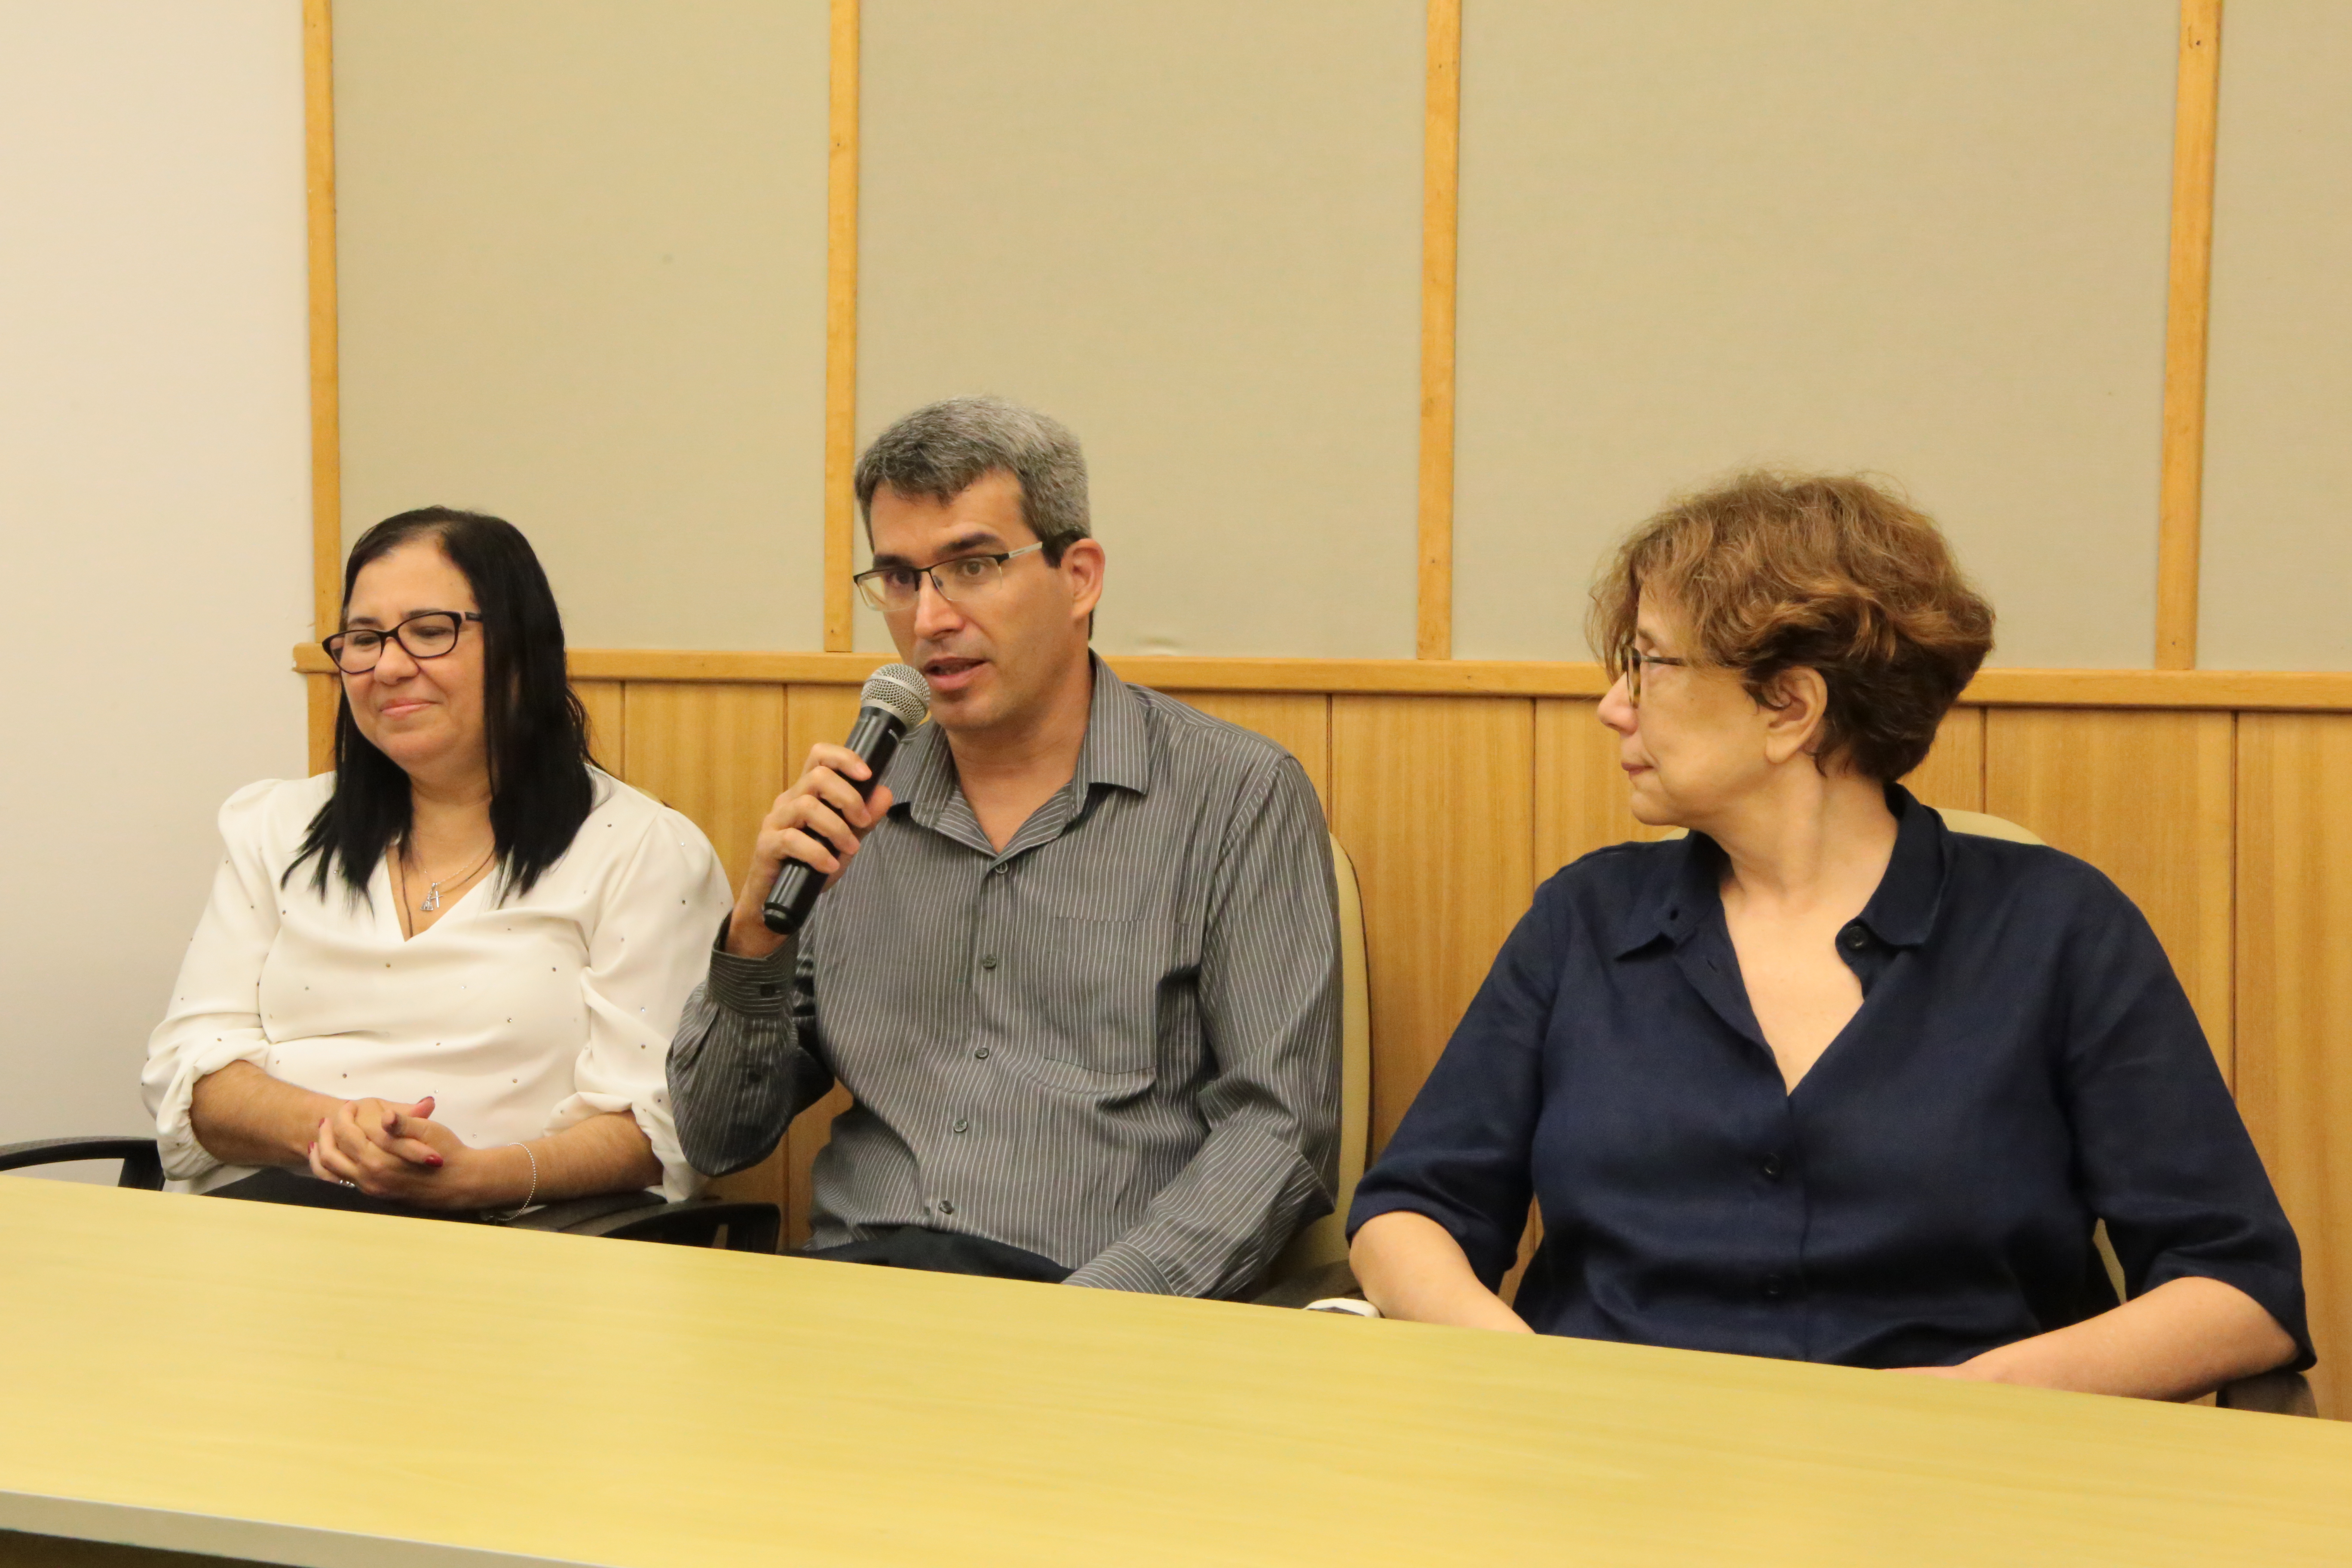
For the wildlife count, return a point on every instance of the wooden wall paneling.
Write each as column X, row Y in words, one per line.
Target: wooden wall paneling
column 606, row 728
column 1953, row 775
column 1299, row 722
column 2294, row 992
column 2181, row 494
column 1581, row 802
column 1440, row 246
column 716, row 753
column 324, row 695
column 2148, row 798
column 1433, row 798
column 2265, row 691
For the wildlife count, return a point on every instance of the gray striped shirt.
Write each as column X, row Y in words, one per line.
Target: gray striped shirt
column 1116, row 1044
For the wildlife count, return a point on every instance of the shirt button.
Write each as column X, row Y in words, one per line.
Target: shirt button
column 1855, row 938
column 1773, row 1166
column 1774, row 1287
column 1000, row 870
column 947, row 1205
column 981, row 1055
column 988, row 960
column 962, row 1125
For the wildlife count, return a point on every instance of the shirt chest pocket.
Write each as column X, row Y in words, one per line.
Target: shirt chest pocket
column 1087, row 994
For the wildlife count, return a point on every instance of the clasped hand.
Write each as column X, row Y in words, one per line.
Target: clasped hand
column 391, row 1151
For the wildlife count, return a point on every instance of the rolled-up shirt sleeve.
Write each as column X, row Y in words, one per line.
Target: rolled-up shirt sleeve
column 644, row 955
column 215, row 1015
column 1269, row 989
column 1461, row 1154
column 2165, row 1157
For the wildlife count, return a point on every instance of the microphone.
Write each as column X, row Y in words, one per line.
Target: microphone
column 895, row 700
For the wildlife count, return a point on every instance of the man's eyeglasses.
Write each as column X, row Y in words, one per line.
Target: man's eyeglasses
column 894, row 590
column 1631, row 661
column 428, row 636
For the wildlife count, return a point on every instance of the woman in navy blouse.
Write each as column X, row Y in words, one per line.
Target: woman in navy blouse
column 1824, row 1079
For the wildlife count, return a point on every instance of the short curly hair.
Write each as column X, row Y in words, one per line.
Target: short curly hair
column 1774, row 572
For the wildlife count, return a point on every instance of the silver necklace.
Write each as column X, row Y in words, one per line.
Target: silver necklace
column 432, row 903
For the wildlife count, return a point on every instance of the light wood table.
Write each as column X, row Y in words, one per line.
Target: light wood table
column 303, row 1387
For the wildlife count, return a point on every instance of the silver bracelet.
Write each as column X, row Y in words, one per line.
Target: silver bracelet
column 526, row 1198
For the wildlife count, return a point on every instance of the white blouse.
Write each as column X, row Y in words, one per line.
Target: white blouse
column 520, row 1017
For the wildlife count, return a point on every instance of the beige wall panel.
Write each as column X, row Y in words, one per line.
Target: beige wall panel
column 2294, row 990
column 714, row 752
column 1926, row 239
column 1299, row 722
column 1192, row 230
column 607, row 727
column 1433, row 797
column 582, row 261
column 2278, row 441
column 2148, row 798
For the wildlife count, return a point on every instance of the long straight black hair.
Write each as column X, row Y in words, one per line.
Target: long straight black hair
column 535, row 731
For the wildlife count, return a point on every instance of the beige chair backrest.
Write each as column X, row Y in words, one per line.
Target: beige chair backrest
column 1325, row 1241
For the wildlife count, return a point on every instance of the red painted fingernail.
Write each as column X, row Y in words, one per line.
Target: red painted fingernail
column 434, row 1160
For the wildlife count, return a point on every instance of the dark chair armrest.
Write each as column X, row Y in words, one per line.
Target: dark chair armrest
column 2280, row 1393
column 142, row 1167
column 646, row 1216
column 1333, row 1278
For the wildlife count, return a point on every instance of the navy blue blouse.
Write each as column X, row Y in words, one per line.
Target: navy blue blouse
column 2023, row 1064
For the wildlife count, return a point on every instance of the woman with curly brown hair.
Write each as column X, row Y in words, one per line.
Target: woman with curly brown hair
column 1825, row 1080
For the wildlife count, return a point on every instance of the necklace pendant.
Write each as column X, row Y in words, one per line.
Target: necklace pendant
column 431, row 900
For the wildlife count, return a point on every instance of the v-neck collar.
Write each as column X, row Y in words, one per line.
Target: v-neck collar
column 383, row 881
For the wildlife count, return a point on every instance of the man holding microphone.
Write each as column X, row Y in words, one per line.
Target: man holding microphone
column 1077, row 957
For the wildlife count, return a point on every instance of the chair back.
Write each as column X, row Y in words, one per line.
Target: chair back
column 1326, row 1240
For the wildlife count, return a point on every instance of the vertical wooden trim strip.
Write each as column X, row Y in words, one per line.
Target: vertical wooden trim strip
column 2180, row 495
column 1441, row 167
column 841, row 332
column 325, row 416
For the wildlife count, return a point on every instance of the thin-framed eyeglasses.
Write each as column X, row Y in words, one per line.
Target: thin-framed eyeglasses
column 894, row 590
column 1632, row 659
column 426, row 636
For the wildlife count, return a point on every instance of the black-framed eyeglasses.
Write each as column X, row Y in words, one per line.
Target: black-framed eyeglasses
column 1631, row 661
column 894, row 590
column 426, row 636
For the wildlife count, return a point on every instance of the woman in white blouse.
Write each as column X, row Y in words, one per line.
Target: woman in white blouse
column 445, row 976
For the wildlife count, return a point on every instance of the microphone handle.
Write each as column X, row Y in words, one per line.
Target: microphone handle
column 875, row 739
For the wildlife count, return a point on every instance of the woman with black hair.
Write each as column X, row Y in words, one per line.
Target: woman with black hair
column 443, row 977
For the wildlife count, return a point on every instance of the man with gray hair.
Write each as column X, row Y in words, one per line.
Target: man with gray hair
column 1082, row 981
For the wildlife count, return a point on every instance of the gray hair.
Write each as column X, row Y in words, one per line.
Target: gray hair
column 941, row 450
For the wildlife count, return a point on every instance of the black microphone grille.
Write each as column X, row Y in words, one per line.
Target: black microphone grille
column 898, row 691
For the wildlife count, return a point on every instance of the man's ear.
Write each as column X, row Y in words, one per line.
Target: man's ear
column 1795, row 705
column 1082, row 570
